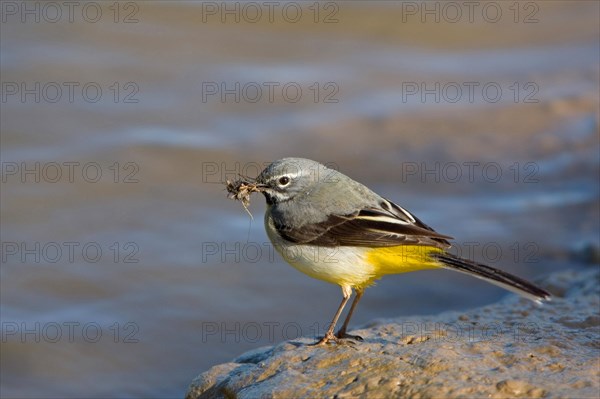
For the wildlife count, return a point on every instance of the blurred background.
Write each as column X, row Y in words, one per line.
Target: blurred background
column 126, row 271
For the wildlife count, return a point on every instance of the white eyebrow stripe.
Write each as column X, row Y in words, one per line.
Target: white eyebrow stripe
column 291, row 175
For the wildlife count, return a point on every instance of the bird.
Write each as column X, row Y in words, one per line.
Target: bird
column 335, row 229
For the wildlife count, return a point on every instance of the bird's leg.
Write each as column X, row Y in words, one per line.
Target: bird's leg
column 346, row 292
column 342, row 331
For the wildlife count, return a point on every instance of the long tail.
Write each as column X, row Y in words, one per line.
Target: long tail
column 494, row 276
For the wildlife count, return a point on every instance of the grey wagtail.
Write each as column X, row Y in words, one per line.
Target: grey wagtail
column 335, row 229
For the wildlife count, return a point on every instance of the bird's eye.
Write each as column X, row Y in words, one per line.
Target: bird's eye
column 284, row 181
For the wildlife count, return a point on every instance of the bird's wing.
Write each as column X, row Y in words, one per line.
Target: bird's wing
column 385, row 225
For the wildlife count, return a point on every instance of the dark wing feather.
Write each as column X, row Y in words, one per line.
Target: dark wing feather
column 384, row 226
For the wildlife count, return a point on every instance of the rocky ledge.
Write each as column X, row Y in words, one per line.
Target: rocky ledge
column 513, row 348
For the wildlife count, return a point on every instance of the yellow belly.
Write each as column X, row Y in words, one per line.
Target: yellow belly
column 402, row 259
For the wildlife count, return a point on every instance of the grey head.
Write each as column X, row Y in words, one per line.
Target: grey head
column 300, row 191
column 289, row 178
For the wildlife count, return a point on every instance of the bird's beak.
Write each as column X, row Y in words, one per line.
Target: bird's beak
column 253, row 184
column 261, row 187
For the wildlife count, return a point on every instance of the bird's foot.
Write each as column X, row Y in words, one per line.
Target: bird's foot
column 329, row 337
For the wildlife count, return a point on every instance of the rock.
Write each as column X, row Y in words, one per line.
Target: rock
column 513, row 348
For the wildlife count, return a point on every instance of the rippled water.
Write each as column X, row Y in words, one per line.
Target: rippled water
column 129, row 273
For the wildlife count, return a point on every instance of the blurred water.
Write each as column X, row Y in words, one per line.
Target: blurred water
column 184, row 279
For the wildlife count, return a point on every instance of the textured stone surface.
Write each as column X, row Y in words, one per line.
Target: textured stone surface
column 513, row 348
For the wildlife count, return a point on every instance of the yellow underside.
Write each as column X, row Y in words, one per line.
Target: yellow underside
column 402, row 259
